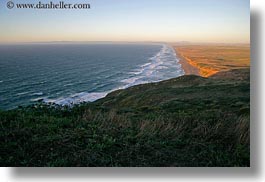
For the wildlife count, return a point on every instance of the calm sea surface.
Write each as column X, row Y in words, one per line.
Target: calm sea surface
column 68, row 74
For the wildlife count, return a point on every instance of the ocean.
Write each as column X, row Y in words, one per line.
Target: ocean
column 68, row 74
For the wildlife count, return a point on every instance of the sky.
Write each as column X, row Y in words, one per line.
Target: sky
column 213, row 21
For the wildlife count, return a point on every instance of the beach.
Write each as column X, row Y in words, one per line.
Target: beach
column 188, row 68
column 207, row 60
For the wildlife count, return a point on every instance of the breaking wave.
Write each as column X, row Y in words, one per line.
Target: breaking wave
column 164, row 65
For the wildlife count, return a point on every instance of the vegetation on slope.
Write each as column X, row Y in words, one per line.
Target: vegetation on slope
column 185, row 121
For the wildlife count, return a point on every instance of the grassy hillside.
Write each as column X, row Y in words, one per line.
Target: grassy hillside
column 185, row 121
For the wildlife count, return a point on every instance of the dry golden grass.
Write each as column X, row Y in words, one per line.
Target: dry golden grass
column 210, row 59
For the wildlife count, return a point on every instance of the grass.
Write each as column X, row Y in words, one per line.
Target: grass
column 186, row 121
column 210, row 59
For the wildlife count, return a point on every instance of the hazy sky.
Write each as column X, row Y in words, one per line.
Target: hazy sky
column 224, row 21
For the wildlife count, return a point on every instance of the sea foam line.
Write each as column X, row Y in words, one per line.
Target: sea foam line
column 163, row 65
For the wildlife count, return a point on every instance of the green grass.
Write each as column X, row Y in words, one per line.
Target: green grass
column 186, row 121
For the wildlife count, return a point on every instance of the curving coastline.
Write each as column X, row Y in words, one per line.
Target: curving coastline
column 208, row 59
column 186, row 66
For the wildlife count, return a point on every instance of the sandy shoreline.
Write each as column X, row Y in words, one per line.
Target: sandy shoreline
column 188, row 68
column 207, row 60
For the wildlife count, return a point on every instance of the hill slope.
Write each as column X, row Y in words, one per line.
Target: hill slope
column 185, row 121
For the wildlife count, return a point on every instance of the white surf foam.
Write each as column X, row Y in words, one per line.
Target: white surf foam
column 163, row 65
column 37, row 99
column 77, row 98
column 21, row 93
column 37, row 94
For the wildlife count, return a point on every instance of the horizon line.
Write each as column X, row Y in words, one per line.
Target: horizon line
column 166, row 42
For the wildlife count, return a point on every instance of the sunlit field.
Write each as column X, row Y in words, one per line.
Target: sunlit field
column 210, row 59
